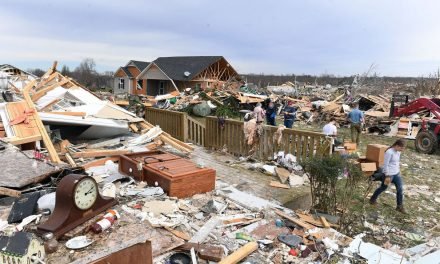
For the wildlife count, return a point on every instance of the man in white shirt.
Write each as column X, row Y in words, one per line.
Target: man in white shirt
column 330, row 130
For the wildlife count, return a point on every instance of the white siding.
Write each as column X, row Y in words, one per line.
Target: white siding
column 154, row 73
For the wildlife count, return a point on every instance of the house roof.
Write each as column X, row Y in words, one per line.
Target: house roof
column 127, row 72
column 175, row 67
column 141, row 65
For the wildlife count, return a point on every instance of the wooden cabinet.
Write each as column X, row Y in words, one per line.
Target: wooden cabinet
column 178, row 177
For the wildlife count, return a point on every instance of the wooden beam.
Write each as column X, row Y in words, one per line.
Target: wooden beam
column 178, row 233
column 69, row 113
column 9, row 192
column 46, row 139
column 240, row 254
column 99, row 162
column 206, row 252
column 99, row 153
column 43, row 91
column 55, row 101
column 295, row 220
column 70, row 160
column 279, row 185
column 324, row 222
column 19, row 141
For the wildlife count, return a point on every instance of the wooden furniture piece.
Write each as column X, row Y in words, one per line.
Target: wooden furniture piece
column 132, row 164
column 178, row 177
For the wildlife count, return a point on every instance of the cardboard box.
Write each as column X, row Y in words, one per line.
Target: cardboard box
column 368, row 168
column 376, row 153
column 350, row 146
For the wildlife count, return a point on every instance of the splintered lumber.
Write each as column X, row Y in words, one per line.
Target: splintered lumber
column 70, row 113
column 43, row 91
column 169, row 141
column 9, row 192
column 178, row 233
column 20, row 141
column 99, row 153
column 283, row 174
column 294, row 220
column 324, row 222
column 134, row 127
column 279, row 185
column 70, row 160
column 206, row 252
column 240, row 254
column 99, row 162
column 46, row 139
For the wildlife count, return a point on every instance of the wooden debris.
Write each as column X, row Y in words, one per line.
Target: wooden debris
column 178, row 233
column 240, row 254
column 70, row 160
column 100, row 153
column 294, row 220
column 283, row 174
column 324, row 222
column 99, row 162
column 279, row 185
column 9, row 192
column 206, row 252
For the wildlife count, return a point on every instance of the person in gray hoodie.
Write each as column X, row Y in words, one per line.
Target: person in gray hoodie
column 391, row 169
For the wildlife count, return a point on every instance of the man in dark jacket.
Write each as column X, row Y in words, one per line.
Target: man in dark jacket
column 271, row 113
column 289, row 114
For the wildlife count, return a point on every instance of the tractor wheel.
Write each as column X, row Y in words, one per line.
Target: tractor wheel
column 426, row 142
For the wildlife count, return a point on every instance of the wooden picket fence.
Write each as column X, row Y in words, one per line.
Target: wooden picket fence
column 229, row 135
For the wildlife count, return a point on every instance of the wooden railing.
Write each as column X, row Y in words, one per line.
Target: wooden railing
column 230, row 136
column 172, row 122
column 196, row 131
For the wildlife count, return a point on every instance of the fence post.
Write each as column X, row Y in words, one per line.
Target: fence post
column 184, row 123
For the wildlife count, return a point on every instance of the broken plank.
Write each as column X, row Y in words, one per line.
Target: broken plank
column 70, row 160
column 19, row 141
column 178, row 233
column 83, row 114
column 134, row 128
column 99, row 162
column 279, row 185
column 206, row 252
column 46, row 139
column 240, row 254
column 283, row 174
column 324, row 222
column 42, row 92
column 100, row 153
column 294, row 220
column 172, row 143
column 9, row 192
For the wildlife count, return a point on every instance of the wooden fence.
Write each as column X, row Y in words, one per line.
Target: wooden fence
column 230, row 136
column 172, row 122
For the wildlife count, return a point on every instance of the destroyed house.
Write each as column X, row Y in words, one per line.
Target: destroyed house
column 167, row 74
column 126, row 78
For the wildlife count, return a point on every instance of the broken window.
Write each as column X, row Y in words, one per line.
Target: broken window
column 161, row 87
column 139, row 85
column 198, row 87
column 208, row 84
column 121, row 83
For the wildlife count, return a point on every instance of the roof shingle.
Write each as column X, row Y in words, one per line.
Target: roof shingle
column 175, row 67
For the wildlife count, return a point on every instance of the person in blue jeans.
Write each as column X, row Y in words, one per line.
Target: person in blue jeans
column 271, row 113
column 391, row 169
column 289, row 114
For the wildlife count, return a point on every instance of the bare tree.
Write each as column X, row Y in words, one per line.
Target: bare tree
column 86, row 73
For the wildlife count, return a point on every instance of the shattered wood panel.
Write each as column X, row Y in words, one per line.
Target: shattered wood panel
column 17, row 110
column 19, row 170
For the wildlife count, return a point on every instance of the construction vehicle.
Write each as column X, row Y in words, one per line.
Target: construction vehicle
column 428, row 135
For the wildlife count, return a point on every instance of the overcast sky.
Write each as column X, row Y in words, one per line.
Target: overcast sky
column 282, row 37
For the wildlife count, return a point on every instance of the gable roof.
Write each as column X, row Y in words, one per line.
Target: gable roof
column 175, row 67
column 141, row 65
column 127, row 72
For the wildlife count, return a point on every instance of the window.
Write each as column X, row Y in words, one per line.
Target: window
column 121, row 83
column 161, row 87
column 139, row 84
column 198, row 87
column 208, row 84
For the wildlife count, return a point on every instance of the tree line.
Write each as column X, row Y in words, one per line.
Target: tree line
column 86, row 74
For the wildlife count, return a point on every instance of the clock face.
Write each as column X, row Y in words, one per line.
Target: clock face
column 85, row 193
